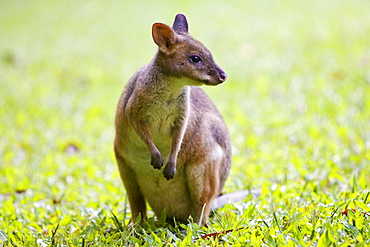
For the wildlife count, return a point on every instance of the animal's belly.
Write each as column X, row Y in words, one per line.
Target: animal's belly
column 161, row 194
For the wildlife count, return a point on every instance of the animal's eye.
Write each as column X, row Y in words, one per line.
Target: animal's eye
column 195, row 59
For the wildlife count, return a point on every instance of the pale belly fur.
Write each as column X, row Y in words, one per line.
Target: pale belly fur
column 172, row 195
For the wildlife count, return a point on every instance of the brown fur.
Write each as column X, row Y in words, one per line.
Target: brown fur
column 164, row 118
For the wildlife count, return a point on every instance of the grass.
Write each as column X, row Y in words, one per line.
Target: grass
column 296, row 103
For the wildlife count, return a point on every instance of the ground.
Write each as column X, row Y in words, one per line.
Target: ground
column 296, row 102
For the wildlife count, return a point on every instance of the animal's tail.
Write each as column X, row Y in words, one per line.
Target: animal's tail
column 233, row 197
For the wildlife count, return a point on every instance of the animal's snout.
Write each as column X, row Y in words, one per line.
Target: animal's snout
column 218, row 76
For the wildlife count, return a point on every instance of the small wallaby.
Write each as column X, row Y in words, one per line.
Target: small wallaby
column 163, row 117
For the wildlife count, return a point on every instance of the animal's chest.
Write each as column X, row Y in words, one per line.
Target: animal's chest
column 160, row 119
column 162, row 115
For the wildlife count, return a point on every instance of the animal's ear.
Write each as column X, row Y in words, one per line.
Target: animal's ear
column 163, row 36
column 180, row 25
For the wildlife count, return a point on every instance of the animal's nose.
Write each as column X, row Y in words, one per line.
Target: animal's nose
column 222, row 76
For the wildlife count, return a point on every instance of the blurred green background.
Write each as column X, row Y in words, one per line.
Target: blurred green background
column 296, row 100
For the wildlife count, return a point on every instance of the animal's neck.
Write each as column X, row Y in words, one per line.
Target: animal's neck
column 163, row 83
column 168, row 89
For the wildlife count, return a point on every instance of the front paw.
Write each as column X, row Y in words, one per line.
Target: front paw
column 169, row 171
column 156, row 161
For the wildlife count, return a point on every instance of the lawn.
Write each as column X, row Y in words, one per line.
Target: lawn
column 296, row 103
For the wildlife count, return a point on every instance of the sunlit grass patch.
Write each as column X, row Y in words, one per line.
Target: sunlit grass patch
column 296, row 104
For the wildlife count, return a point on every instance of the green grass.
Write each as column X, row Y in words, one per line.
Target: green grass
column 296, row 103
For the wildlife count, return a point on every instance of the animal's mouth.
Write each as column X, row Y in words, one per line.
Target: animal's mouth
column 216, row 78
column 208, row 83
column 212, row 83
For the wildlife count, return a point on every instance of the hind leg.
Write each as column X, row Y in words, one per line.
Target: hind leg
column 203, row 183
column 135, row 197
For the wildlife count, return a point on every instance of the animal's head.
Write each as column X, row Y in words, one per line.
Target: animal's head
column 182, row 56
